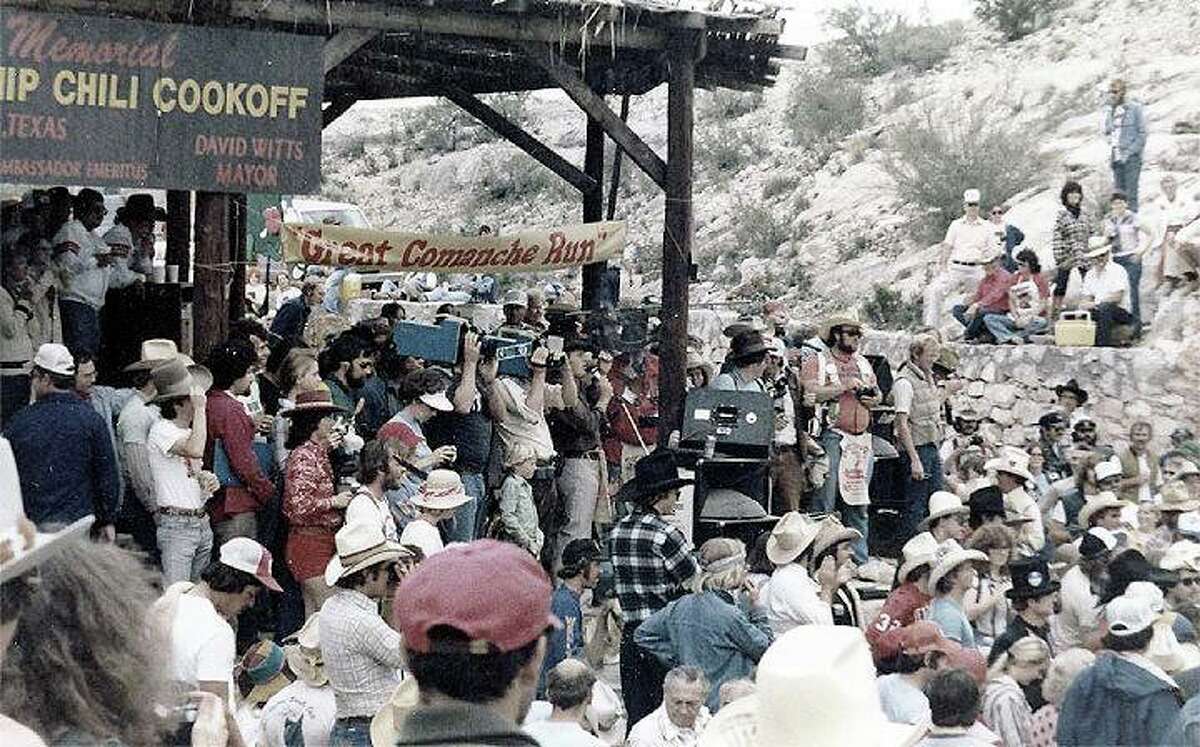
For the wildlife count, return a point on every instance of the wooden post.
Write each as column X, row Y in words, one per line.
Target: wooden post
column 179, row 231
column 593, row 210
column 677, row 232
column 237, row 255
column 210, row 307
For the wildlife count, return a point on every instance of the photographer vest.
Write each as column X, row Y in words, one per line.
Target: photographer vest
column 827, row 413
column 925, row 415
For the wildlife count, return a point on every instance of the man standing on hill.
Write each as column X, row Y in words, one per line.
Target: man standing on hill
column 1125, row 126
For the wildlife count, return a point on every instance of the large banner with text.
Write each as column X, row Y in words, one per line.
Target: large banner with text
column 539, row 250
column 86, row 100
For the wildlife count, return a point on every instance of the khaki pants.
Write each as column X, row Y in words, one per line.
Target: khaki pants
column 947, row 289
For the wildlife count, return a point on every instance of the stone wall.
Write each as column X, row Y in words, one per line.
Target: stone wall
column 1014, row 385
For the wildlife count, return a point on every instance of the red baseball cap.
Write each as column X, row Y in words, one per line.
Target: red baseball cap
column 922, row 637
column 493, row 592
column 394, row 429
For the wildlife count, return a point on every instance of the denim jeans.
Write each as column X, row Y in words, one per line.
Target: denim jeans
column 1003, row 329
column 1106, row 316
column 465, row 526
column 351, row 732
column 974, row 325
column 828, row 499
column 81, row 326
column 1125, row 178
column 1133, row 266
column 185, row 543
column 916, row 494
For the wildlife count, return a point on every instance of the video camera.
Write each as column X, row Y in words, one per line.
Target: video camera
column 441, row 343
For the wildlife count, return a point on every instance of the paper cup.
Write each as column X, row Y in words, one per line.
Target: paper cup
column 160, row 274
column 172, row 273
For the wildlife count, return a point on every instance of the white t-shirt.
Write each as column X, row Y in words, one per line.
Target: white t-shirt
column 1144, row 492
column 364, row 507
column 561, row 734
column 202, row 644
column 903, row 702
column 1112, row 279
column 176, row 486
column 971, row 241
column 424, row 535
column 314, row 707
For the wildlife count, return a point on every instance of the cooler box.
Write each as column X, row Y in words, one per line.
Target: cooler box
column 1075, row 329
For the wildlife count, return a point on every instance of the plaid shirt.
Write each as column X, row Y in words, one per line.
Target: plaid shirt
column 1070, row 238
column 361, row 653
column 652, row 560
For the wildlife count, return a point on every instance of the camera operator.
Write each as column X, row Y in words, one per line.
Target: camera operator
column 844, row 385
column 582, row 481
column 519, row 408
column 787, row 469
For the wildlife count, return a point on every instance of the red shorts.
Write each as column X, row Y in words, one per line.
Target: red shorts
column 309, row 551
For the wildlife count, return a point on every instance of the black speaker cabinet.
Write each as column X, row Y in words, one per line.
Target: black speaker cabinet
column 743, row 422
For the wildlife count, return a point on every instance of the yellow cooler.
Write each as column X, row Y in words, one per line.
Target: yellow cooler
column 1075, row 329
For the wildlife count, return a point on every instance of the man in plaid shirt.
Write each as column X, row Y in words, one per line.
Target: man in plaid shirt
column 652, row 562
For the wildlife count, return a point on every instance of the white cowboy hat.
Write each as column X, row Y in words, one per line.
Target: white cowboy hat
column 156, row 352
column 360, row 545
column 919, row 550
column 1100, row 502
column 1013, row 461
column 1181, row 556
column 815, row 687
column 1176, row 497
column 443, row 490
column 1098, row 246
column 949, row 556
column 304, row 655
column 1108, row 468
column 22, row 546
column 791, row 536
column 385, row 726
column 943, row 503
column 849, row 318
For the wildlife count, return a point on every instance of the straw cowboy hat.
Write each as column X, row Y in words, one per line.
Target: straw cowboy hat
column 815, row 687
column 791, row 537
column 1175, row 497
column 317, row 399
column 1102, row 501
column 942, row 503
column 830, row 532
column 1098, row 246
column 850, row 318
column 156, row 352
column 385, row 726
column 172, row 381
column 303, row 653
column 22, row 546
column 360, row 545
column 442, row 491
column 1072, row 387
column 949, row 556
column 918, row 551
column 1013, row 461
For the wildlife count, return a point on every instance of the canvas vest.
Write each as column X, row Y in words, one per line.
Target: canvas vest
column 925, row 417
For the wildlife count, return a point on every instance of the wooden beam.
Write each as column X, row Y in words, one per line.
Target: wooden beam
column 210, row 305
column 677, row 233
column 595, row 107
column 520, row 138
column 179, row 232
column 345, row 43
column 593, row 211
column 338, row 106
column 614, row 186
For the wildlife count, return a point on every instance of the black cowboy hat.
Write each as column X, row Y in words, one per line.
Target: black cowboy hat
column 987, row 501
column 654, row 474
column 141, row 206
column 1132, row 566
column 746, row 344
column 1073, row 387
column 1031, row 579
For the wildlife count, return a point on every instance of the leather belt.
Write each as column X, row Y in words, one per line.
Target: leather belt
column 968, row 264
column 194, row 513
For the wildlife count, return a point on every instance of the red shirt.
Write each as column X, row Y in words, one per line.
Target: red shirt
column 904, row 606
column 308, row 488
column 621, row 430
column 992, row 293
column 228, row 421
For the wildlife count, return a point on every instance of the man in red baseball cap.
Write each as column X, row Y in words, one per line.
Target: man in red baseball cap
column 474, row 620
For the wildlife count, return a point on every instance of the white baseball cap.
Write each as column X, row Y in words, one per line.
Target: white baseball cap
column 971, row 195
column 244, row 554
column 1127, row 615
column 55, row 358
column 1108, row 468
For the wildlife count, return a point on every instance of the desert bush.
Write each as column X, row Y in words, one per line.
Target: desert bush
column 724, row 150
column 518, row 178
column 854, row 248
column 935, row 156
column 726, row 105
column 777, row 185
column 878, row 41
column 760, row 231
column 822, row 109
column 888, row 309
column 1016, row 19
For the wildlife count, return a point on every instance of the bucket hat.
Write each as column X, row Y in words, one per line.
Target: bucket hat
column 442, row 491
column 360, row 545
column 791, row 536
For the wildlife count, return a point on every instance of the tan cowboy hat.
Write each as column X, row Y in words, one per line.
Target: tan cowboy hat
column 360, row 545
column 202, row 376
column 849, row 318
column 949, row 556
column 303, row 652
column 919, row 550
column 1102, row 501
column 942, row 503
column 815, row 687
column 172, row 381
column 385, row 726
column 1098, row 246
column 156, row 352
column 1176, row 497
column 791, row 536
column 1013, row 461
column 317, row 399
column 830, row 532
column 442, row 491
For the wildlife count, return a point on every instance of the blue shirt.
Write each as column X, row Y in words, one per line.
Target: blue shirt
column 952, row 620
column 566, row 642
column 65, row 461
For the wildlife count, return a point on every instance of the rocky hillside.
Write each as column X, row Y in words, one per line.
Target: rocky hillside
column 780, row 214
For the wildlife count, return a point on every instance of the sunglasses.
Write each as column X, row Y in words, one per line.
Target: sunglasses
column 997, row 212
column 971, row 204
column 852, row 332
column 1193, row 581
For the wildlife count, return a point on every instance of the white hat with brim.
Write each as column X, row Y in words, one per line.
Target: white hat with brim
column 1012, row 461
column 442, row 491
column 792, row 535
column 1181, row 556
column 156, row 352
column 1175, row 497
column 360, row 546
column 1098, row 246
column 918, row 551
column 941, row 504
column 830, row 533
column 438, row 401
column 1108, row 468
column 385, row 726
column 951, row 555
column 307, row 664
column 814, row 680
column 31, row 548
column 1100, row 502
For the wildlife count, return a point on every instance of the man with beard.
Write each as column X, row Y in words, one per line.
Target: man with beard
column 844, row 384
column 345, row 365
column 474, row 639
column 1078, row 622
